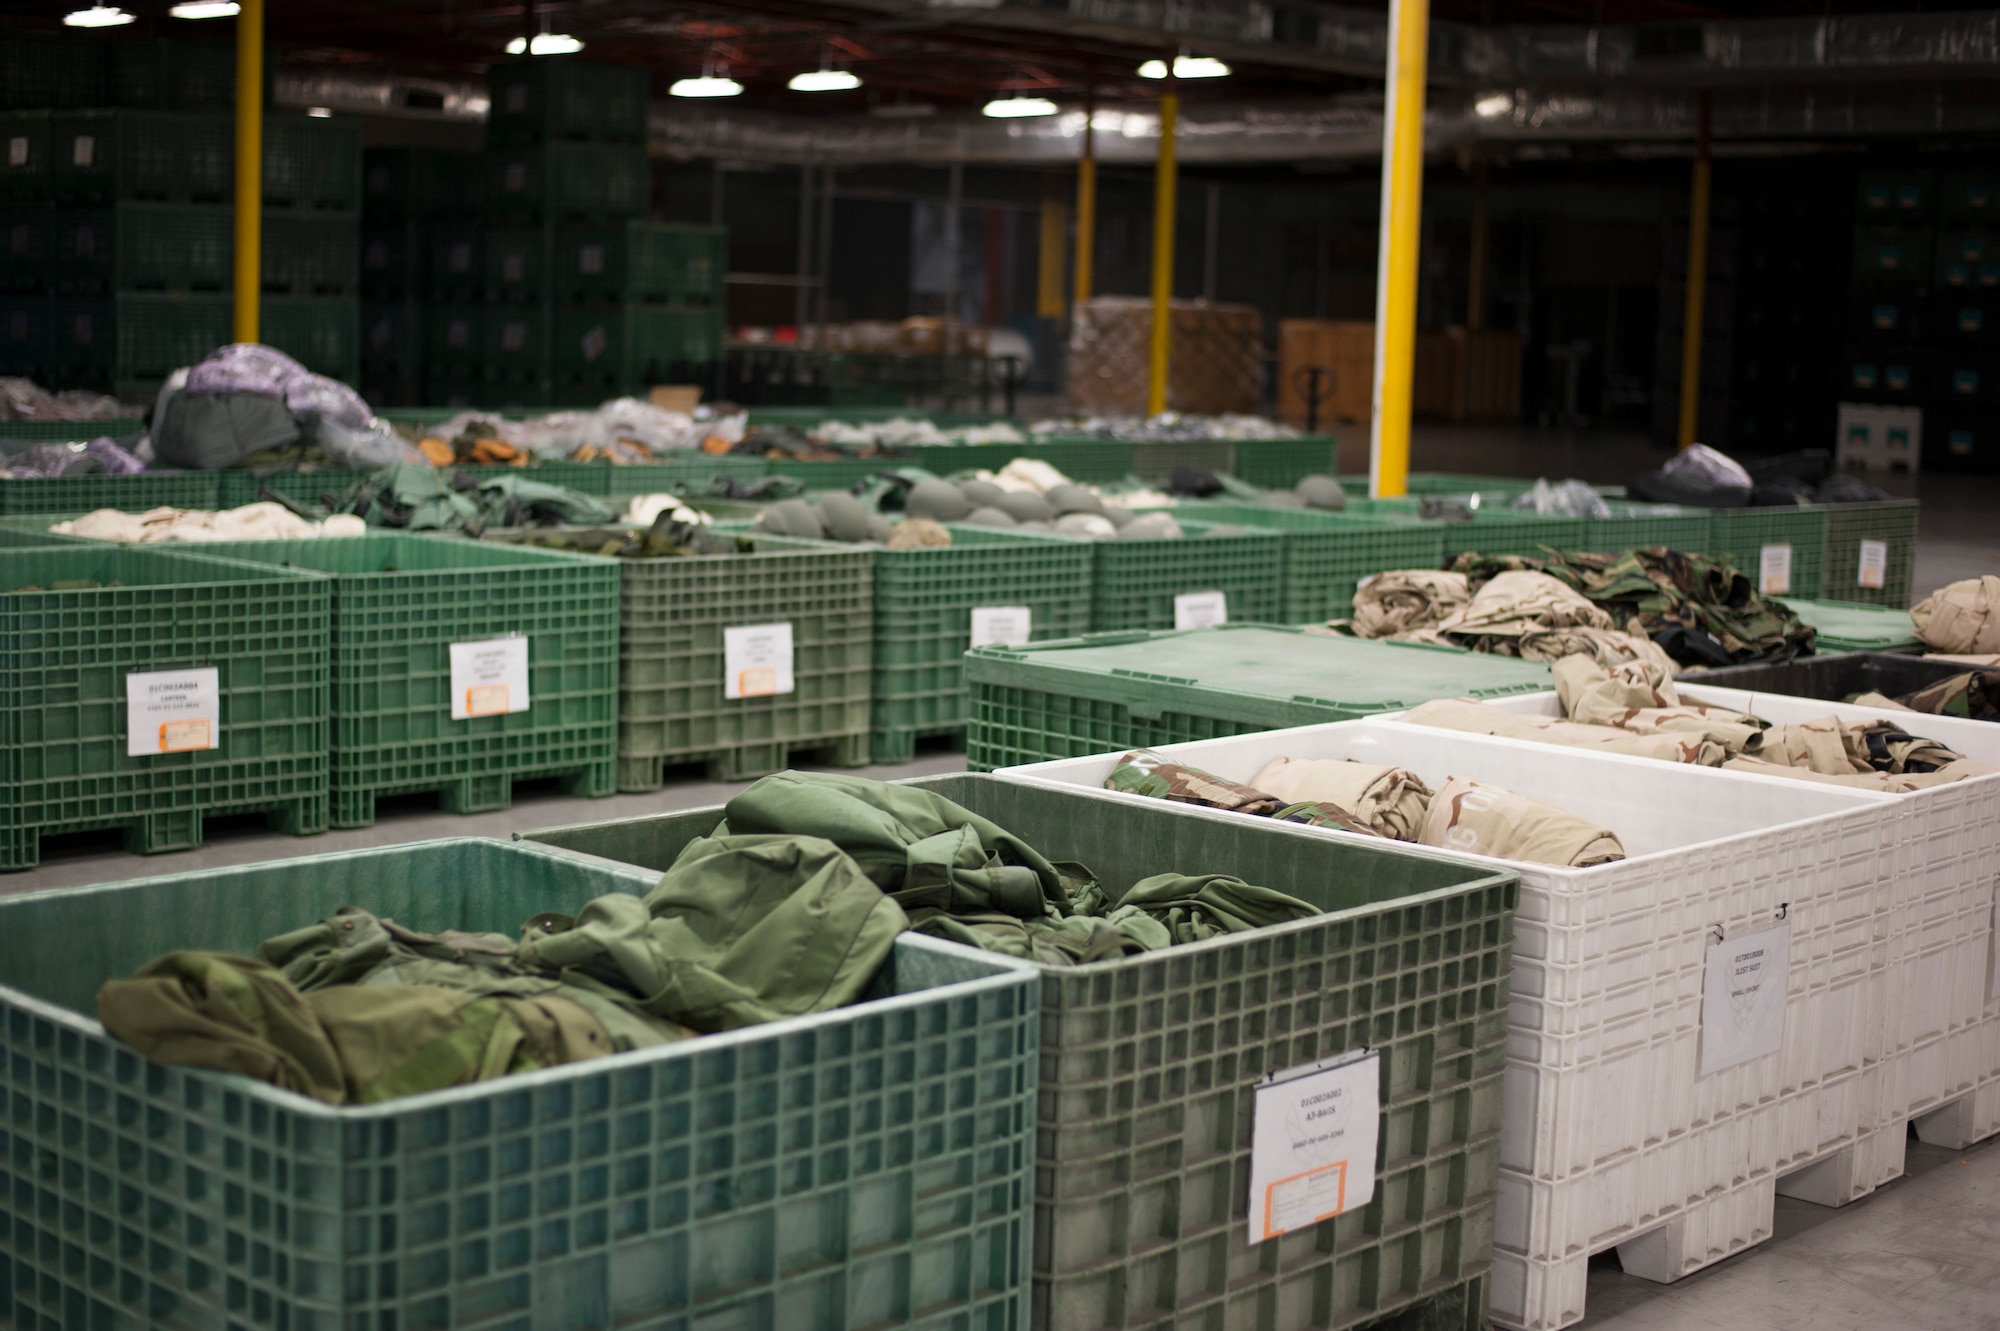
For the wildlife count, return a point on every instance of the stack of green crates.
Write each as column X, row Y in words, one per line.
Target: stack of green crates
column 70, row 495
column 1269, row 462
column 129, row 212
column 926, row 605
column 1150, row 1064
column 1794, row 535
column 862, row 1166
column 1139, row 584
column 400, row 603
column 80, row 618
column 1113, row 691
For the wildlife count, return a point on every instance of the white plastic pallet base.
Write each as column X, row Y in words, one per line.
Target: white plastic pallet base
column 1965, row 1121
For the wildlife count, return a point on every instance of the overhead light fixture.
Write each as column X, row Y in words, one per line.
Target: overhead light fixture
column 97, row 16
column 1186, row 67
column 205, row 9
column 708, row 85
column 1493, row 105
column 546, row 43
column 320, row 112
column 1013, row 108
column 824, row 80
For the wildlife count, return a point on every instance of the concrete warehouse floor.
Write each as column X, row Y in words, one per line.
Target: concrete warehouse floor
column 1922, row 1253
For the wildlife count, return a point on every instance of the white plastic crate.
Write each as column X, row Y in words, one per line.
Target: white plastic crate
column 1609, row 1137
column 1948, row 1033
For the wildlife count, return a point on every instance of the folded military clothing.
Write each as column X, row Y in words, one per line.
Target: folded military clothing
column 1389, row 800
column 1961, row 619
column 1518, row 613
column 1974, row 695
column 1483, row 819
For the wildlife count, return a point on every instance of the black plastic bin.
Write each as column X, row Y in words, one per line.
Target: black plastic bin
column 1834, row 677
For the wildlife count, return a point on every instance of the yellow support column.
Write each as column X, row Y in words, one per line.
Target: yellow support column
column 1697, row 286
column 1396, row 266
column 249, row 272
column 1163, row 259
column 1049, row 258
column 1086, row 204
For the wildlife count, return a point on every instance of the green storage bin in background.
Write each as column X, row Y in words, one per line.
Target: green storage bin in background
column 1739, row 536
column 1327, row 554
column 1135, row 582
column 868, row 1166
column 1280, row 463
column 541, row 100
column 1846, row 627
column 1149, row 1065
column 924, row 601
column 673, row 620
column 399, row 603
column 70, row 495
column 1108, row 692
column 1634, row 526
column 64, row 656
column 1893, row 523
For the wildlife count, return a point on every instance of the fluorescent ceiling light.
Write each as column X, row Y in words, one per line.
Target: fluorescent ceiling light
column 205, row 9
column 320, row 112
column 547, row 43
column 97, row 16
column 1186, row 67
column 1493, row 105
column 824, row 80
column 708, row 85
column 1009, row 108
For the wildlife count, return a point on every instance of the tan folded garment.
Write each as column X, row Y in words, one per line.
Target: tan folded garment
column 1963, row 618
column 1480, row 719
column 1640, row 698
column 1889, row 782
column 1824, row 746
column 1607, row 647
column 1406, row 598
column 1486, row 820
column 1388, row 799
column 1881, row 700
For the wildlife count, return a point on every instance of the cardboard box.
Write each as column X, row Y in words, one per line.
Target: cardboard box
column 1343, row 351
column 1215, row 364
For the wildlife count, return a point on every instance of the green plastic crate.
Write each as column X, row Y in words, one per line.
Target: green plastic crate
column 1115, row 691
column 673, row 613
column 101, row 156
column 237, row 488
column 1456, row 482
column 1846, row 627
column 1149, row 1064
column 28, row 232
column 1894, row 523
column 570, row 180
column 542, row 100
column 142, row 247
column 312, row 164
column 64, row 656
column 1085, row 460
column 806, row 418
column 1327, row 554
column 518, row 264
column 868, row 1166
column 844, row 474
column 1281, row 463
column 399, row 602
column 1135, row 582
column 52, row 69
column 1155, row 460
column 1640, row 526
column 1493, row 530
column 681, row 472
column 70, row 431
column 172, row 75
column 1739, row 536
column 27, row 167
column 130, row 494
column 323, row 333
column 924, row 601
column 156, row 333
column 667, row 263
column 412, row 184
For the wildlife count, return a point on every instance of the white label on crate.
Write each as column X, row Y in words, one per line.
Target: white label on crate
column 513, row 267
column 757, row 660
column 83, row 151
column 17, row 150
column 489, row 678
column 590, row 260
column 1200, row 610
column 1873, row 570
column 1743, row 998
column 517, row 97
column 1312, row 1144
column 172, row 711
column 1001, row 625
column 595, row 343
column 1774, row 570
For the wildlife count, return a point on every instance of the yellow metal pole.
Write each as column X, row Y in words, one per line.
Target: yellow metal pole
column 1086, row 204
column 1049, row 258
column 1163, row 259
column 1396, row 264
column 1697, row 284
column 249, row 273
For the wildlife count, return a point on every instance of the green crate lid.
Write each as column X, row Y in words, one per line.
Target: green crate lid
column 1257, row 673
column 1846, row 627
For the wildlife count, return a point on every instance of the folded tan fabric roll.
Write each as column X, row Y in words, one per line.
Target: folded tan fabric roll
column 1486, row 820
column 1640, row 698
column 1480, row 719
column 1961, row 618
column 1389, row 799
column 1404, row 599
